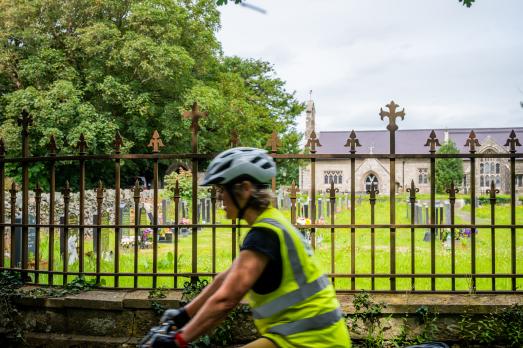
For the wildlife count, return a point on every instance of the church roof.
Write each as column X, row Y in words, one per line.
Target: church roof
column 409, row 141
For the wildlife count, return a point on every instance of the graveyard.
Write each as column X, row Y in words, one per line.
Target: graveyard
column 227, row 242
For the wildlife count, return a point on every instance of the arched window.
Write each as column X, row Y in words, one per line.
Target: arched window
column 481, row 168
column 487, row 168
column 326, row 179
column 497, row 168
column 330, row 179
column 481, row 181
column 492, row 168
column 371, row 180
column 340, row 179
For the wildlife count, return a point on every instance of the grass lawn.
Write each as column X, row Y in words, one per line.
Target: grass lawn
column 342, row 251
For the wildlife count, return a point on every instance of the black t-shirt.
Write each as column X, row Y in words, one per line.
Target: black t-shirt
column 265, row 241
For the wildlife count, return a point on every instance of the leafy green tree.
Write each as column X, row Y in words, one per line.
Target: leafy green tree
column 130, row 66
column 448, row 169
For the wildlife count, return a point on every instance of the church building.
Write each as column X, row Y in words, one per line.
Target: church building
column 375, row 171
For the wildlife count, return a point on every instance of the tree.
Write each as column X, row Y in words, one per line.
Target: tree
column 448, row 169
column 129, row 66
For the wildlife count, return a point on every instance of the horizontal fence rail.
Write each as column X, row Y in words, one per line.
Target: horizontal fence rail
column 64, row 243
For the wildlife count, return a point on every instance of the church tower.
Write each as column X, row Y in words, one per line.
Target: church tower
column 310, row 118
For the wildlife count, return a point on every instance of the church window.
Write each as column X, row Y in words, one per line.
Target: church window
column 487, row 168
column 519, row 180
column 423, row 176
column 481, row 181
column 498, row 181
column 333, row 176
column 492, row 168
column 340, row 179
column 497, row 168
column 481, row 168
column 370, row 181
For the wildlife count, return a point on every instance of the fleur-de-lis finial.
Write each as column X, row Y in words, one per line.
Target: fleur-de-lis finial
column 352, row 142
column 293, row 190
column 52, row 146
column 118, row 142
column 332, row 191
column 432, row 141
column 66, row 191
column 38, row 193
column 274, row 142
column 392, row 115
column 452, row 191
column 312, row 142
column 137, row 189
column 472, row 142
column 512, row 141
column 195, row 114
column 100, row 191
column 2, row 148
column 176, row 190
column 235, row 138
column 492, row 192
column 373, row 192
column 155, row 142
column 81, row 145
column 25, row 121
column 412, row 190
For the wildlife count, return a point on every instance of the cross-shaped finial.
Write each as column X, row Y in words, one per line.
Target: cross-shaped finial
column 392, row 114
column 195, row 114
column 273, row 142
column 472, row 142
column 81, row 145
column 66, row 191
column 412, row 190
column 100, row 192
column 452, row 191
column 373, row 192
column 293, row 190
column 155, row 142
column 352, row 142
column 235, row 139
column 2, row 148
column 118, row 142
column 492, row 192
column 312, row 142
column 136, row 191
column 25, row 121
column 512, row 141
column 432, row 141
column 52, row 146
column 332, row 191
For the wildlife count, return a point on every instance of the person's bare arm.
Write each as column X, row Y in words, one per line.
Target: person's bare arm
column 242, row 275
column 194, row 306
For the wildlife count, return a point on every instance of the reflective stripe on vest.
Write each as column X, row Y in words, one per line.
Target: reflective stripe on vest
column 314, row 323
column 305, row 289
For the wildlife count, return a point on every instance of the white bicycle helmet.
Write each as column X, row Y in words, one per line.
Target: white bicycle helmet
column 239, row 163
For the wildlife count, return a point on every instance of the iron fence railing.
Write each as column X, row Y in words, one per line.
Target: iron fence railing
column 34, row 273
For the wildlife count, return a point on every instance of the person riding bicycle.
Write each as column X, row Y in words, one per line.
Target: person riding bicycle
column 293, row 303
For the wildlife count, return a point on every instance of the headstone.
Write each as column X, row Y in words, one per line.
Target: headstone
column 328, row 208
column 447, row 212
column 31, row 236
column 208, row 209
column 320, row 208
column 125, row 219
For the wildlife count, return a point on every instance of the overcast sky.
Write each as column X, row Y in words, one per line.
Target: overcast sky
column 448, row 65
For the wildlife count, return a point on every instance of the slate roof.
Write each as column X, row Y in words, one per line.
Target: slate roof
column 409, row 141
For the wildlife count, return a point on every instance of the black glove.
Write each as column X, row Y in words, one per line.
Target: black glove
column 178, row 316
column 163, row 341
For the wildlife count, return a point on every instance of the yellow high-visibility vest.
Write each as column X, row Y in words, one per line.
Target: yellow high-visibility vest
column 303, row 311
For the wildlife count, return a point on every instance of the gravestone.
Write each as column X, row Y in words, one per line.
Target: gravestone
column 328, row 208
column 320, row 208
column 208, row 209
column 306, row 210
column 31, row 236
column 125, row 219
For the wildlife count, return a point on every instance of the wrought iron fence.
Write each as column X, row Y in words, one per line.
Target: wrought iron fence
column 45, row 275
